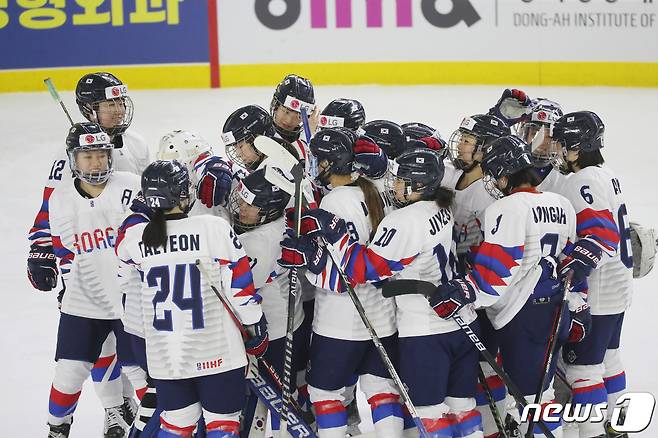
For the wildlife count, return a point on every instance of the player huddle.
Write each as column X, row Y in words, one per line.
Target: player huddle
column 322, row 250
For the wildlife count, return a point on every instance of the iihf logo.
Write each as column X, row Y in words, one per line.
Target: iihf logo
column 541, row 115
column 116, row 91
column 90, row 138
column 294, row 104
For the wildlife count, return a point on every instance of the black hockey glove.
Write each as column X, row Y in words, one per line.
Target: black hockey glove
column 584, row 257
column 42, row 267
column 449, row 297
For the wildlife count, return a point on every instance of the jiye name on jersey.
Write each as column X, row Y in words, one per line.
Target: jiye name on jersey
column 549, row 214
column 174, row 243
column 439, row 220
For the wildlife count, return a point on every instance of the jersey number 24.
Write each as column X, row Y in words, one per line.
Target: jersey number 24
column 186, row 294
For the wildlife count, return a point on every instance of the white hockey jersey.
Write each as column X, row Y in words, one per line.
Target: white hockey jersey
column 188, row 331
column 519, row 230
column 335, row 314
column 601, row 215
column 469, row 206
column 84, row 233
column 414, row 242
column 133, row 157
column 271, row 280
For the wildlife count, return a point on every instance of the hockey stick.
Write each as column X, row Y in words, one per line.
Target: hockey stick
column 404, row 394
column 56, row 98
column 238, row 323
column 492, row 404
column 403, row 287
column 298, row 174
column 275, row 152
column 552, row 347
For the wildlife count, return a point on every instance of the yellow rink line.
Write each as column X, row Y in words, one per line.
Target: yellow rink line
column 631, row 74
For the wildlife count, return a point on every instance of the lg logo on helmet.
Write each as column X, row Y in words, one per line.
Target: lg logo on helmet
column 279, row 18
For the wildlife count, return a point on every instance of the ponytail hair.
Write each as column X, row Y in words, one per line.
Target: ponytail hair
column 443, row 197
column 374, row 202
column 155, row 232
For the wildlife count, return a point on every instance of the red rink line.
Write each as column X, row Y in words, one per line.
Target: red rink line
column 213, row 44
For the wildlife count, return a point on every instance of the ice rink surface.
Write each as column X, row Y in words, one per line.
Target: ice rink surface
column 33, row 130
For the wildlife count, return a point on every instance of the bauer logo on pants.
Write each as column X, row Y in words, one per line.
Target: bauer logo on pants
column 631, row 413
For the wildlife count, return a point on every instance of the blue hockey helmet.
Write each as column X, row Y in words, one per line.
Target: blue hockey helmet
column 347, row 113
column 166, row 184
column 93, row 89
column 580, row 130
column 418, row 170
column 388, row 135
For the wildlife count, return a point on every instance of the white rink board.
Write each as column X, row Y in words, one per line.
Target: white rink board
column 400, row 31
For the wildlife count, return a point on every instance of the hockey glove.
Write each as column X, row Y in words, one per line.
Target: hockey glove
column 369, row 158
column 449, row 297
column 318, row 222
column 302, row 252
column 581, row 318
column 42, row 267
column 512, row 107
column 584, row 257
column 215, row 183
column 259, row 340
column 434, row 143
column 548, row 284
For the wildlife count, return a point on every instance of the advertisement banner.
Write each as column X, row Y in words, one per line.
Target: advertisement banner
column 46, row 34
column 202, row 43
column 501, row 38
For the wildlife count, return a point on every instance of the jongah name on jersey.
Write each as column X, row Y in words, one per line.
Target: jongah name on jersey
column 174, row 243
column 549, row 214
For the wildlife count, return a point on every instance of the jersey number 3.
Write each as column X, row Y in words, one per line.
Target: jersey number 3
column 159, row 276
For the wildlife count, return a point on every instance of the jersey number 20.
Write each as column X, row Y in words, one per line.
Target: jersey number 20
column 159, row 276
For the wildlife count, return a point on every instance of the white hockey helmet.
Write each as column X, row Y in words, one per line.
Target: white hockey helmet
column 184, row 146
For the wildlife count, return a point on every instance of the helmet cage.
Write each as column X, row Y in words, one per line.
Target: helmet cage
column 93, row 178
column 241, row 197
column 491, row 186
column 123, row 104
column 453, row 148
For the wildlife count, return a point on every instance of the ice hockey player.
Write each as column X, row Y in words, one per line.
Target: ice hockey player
column 239, row 132
column 513, row 270
column 291, row 95
column 208, row 378
column 84, row 216
column 415, row 242
column 602, row 253
column 257, row 209
column 466, row 149
column 102, row 98
column 341, row 346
